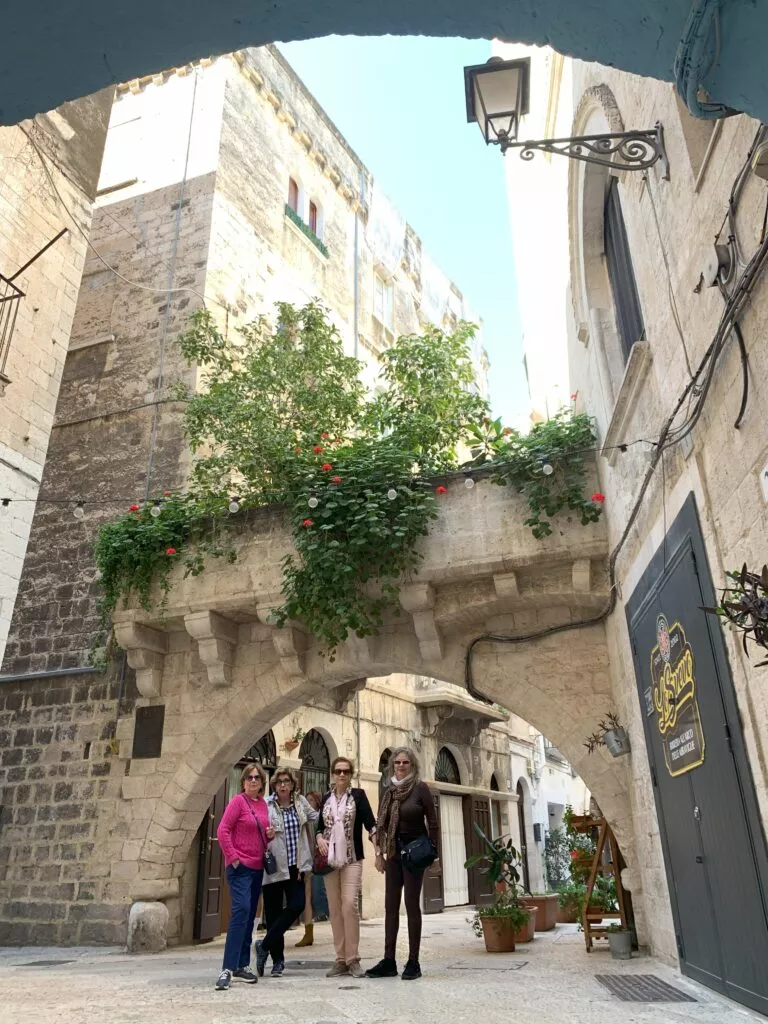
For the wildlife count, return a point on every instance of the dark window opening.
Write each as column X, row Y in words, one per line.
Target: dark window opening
column 446, row 768
column 313, row 216
column 293, row 195
column 629, row 316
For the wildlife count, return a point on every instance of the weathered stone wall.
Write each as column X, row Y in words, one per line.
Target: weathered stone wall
column 671, row 226
column 33, row 209
column 61, row 782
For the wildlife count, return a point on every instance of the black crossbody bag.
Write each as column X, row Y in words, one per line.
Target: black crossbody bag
column 418, row 855
column 270, row 862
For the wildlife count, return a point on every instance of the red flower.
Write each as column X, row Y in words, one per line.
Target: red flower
column 598, row 498
column 441, row 489
column 166, row 494
column 327, row 467
column 317, row 449
column 574, row 854
column 507, row 431
column 134, row 508
column 308, row 522
column 574, row 396
column 335, row 479
column 297, row 450
column 170, row 551
column 324, row 437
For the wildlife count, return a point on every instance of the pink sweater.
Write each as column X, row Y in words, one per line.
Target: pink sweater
column 239, row 837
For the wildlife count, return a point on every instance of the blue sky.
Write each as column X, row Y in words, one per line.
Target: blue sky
column 399, row 102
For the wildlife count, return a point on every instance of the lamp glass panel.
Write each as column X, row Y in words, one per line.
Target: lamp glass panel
column 497, row 95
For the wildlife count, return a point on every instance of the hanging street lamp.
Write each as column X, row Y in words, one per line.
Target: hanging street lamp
column 497, row 97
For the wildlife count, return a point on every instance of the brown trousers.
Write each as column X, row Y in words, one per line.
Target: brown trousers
column 398, row 878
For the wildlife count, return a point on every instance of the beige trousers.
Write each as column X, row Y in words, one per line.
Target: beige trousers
column 343, row 887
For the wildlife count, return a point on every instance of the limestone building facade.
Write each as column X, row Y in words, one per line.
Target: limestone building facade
column 224, row 184
column 643, row 268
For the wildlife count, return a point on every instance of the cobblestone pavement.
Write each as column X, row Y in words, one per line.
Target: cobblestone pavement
column 550, row 981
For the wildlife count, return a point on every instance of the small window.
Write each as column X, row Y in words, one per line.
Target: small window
column 293, row 195
column 446, row 768
column 313, row 219
column 383, row 302
column 629, row 315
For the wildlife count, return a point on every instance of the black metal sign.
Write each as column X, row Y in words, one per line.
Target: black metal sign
column 148, row 734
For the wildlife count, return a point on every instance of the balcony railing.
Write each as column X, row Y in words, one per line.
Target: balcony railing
column 10, row 297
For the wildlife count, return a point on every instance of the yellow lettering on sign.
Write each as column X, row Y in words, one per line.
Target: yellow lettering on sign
column 673, row 690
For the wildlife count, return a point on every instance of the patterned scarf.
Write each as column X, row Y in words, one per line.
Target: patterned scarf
column 337, row 846
column 388, row 820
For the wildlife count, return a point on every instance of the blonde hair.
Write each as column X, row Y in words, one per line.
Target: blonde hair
column 412, row 757
column 247, row 771
column 285, row 773
column 344, row 760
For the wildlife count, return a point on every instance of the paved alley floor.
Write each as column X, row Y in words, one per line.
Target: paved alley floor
column 550, row 981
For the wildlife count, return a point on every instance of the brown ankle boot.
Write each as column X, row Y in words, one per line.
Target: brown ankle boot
column 308, row 937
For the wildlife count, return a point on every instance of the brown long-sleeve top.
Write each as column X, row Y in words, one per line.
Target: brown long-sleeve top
column 414, row 810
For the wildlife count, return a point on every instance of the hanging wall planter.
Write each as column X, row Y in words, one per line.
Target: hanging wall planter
column 617, row 741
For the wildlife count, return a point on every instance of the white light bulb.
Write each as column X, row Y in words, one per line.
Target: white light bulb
column 234, row 505
column 78, row 511
column 155, row 510
column 313, row 502
column 469, row 483
column 391, row 493
column 547, row 470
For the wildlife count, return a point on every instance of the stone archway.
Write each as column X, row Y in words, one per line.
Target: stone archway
column 144, row 38
column 224, row 674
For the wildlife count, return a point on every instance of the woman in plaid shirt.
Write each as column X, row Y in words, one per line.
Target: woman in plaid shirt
column 292, row 818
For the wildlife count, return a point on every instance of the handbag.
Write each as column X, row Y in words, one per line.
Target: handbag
column 270, row 861
column 320, row 865
column 418, row 855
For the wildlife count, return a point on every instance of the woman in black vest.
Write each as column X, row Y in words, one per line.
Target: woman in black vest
column 406, row 812
column 344, row 812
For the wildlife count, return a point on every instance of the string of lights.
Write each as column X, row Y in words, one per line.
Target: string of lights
column 156, row 503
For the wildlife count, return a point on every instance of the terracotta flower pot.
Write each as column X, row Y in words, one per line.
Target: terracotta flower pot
column 290, row 745
column 546, row 915
column 567, row 916
column 499, row 934
column 526, row 932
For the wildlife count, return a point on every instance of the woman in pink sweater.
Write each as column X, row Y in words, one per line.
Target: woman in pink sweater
column 243, row 835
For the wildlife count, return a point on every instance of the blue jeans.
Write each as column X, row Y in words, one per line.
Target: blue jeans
column 244, row 886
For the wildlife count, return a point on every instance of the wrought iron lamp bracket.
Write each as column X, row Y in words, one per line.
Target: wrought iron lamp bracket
column 626, row 151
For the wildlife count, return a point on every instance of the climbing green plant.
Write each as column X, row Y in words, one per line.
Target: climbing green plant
column 281, row 418
column 546, row 466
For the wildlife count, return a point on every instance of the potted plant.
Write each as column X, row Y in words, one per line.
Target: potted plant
column 620, row 941
column 610, row 734
column 546, row 906
column 506, row 921
column 570, row 899
column 293, row 742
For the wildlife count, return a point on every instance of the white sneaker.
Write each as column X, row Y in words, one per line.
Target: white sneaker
column 225, row 979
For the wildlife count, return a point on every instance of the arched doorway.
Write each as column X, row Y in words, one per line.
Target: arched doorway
column 263, row 752
column 315, row 769
column 523, row 836
column 453, row 832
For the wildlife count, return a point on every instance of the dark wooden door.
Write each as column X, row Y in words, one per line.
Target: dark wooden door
column 477, row 809
column 714, row 848
column 210, row 874
column 526, row 879
column 432, row 890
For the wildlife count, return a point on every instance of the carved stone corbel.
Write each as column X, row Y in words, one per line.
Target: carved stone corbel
column 290, row 644
column 505, row 585
column 216, row 639
column 146, row 649
column 418, row 600
column 581, row 575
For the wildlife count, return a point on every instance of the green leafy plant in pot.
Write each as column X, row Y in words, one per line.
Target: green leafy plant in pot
column 505, row 921
column 620, row 941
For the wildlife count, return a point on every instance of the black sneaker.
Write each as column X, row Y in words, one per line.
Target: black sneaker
column 385, row 968
column 412, row 971
column 245, row 974
column 262, row 955
column 224, row 979
column 277, row 969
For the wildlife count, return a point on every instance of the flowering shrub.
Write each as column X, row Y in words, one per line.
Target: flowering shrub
column 281, row 409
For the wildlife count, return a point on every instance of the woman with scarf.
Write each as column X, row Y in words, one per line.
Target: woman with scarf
column 406, row 812
column 344, row 812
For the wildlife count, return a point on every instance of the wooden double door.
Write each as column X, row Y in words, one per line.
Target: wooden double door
column 449, row 883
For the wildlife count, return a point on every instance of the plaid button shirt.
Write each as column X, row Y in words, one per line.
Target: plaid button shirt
column 291, row 833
